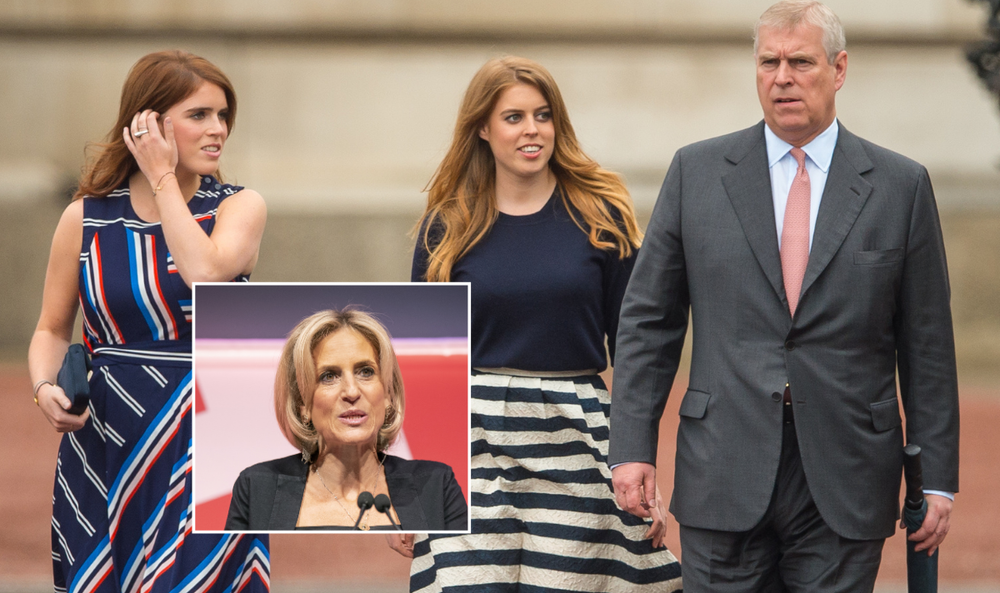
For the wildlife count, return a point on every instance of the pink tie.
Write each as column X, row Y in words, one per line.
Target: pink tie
column 795, row 233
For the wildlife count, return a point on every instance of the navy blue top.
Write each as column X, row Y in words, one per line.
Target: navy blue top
column 543, row 297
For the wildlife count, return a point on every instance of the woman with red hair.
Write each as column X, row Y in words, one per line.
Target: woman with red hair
column 151, row 216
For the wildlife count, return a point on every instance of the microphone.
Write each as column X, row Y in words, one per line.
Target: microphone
column 382, row 505
column 365, row 502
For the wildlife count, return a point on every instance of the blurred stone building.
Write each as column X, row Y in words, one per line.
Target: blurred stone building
column 345, row 109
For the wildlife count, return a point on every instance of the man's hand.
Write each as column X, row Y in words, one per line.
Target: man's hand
column 658, row 529
column 402, row 543
column 936, row 524
column 635, row 487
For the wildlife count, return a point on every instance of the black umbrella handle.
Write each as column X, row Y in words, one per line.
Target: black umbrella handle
column 914, row 477
column 921, row 570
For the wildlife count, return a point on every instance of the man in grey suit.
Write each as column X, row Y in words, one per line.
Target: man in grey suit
column 812, row 264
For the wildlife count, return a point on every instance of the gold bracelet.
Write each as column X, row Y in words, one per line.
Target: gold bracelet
column 159, row 184
column 38, row 386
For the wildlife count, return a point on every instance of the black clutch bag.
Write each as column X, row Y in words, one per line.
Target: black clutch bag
column 73, row 377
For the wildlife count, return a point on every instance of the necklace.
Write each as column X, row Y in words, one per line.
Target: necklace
column 363, row 526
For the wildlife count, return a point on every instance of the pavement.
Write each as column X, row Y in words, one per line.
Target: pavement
column 970, row 558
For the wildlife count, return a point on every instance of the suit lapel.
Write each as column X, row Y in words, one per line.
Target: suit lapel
column 843, row 198
column 288, row 494
column 749, row 189
column 404, row 495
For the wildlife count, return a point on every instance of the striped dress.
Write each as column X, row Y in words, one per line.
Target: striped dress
column 544, row 517
column 122, row 508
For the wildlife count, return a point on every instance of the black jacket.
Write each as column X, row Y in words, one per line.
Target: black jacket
column 267, row 496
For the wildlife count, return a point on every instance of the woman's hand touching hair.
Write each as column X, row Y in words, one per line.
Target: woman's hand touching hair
column 154, row 152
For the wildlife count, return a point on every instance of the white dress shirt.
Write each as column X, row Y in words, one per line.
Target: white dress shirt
column 783, row 167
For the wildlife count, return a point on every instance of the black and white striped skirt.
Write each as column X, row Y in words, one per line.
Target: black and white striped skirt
column 544, row 516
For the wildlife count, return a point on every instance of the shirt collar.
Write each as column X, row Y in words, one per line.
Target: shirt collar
column 820, row 150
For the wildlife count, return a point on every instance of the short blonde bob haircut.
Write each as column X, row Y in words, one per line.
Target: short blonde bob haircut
column 295, row 381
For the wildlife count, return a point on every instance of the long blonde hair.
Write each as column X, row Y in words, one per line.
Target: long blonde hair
column 461, row 201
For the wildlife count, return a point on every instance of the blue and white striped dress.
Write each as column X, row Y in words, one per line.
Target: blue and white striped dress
column 122, row 507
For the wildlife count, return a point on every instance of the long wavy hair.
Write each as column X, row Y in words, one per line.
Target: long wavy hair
column 158, row 81
column 461, row 201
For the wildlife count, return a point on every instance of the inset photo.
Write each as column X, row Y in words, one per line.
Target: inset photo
column 331, row 407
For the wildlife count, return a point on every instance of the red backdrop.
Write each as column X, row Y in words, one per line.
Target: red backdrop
column 436, row 426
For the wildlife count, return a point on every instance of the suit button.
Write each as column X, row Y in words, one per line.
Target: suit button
column 776, row 396
column 789, row 345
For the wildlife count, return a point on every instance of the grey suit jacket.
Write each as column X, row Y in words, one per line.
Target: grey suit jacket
column 425, row 494
column 875, row 299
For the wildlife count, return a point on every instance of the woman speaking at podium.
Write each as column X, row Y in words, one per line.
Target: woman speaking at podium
column 339, row 399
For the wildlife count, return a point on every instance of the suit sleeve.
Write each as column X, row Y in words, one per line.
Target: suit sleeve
column 651, row 330
column 239, row 505
column 925, row 345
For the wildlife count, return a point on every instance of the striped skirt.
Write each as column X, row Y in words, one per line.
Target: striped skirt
column 544, row 516
column 121, row 512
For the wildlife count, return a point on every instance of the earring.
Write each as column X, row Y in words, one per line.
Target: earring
column 307, row 422
column 390, row 415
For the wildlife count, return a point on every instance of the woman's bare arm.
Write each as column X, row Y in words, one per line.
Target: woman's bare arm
column 55, row 324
